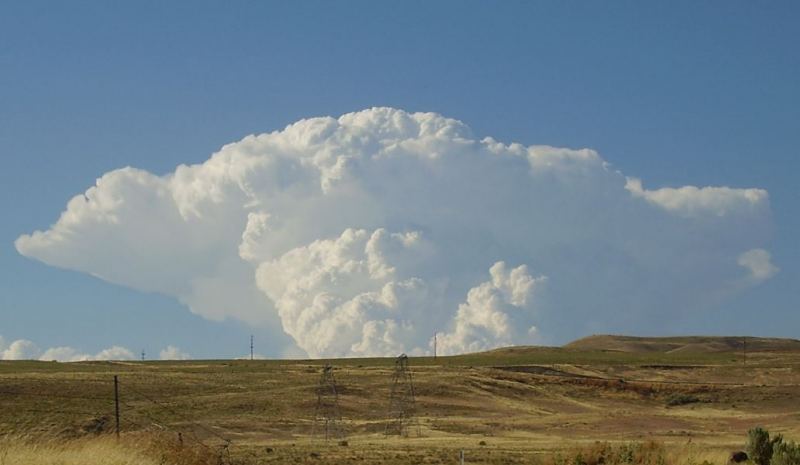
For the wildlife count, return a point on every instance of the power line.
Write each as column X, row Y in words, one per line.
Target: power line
column 402, row 405
column 158, row 423
column 326, row 413
column 224, row 448
column 174, row 412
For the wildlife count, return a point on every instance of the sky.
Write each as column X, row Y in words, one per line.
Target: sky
column 669, row 95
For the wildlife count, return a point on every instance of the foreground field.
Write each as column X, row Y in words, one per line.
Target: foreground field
column 517, row 405
column 132, row 449
column 152, row 449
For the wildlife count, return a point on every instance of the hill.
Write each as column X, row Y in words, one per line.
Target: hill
column 507, row 406
column 693, row 344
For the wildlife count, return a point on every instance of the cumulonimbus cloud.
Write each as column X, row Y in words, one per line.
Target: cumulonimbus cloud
column 368, row 233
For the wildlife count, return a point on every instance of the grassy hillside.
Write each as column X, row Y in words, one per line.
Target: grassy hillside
column 690, row 344
column 514, row 403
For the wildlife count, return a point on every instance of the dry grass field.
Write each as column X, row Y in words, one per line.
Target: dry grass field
column 675, row 401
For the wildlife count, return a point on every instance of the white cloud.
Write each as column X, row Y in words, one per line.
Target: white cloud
column 69, row 354
column 173, row 353
column 63, row 354
column 368, row 233
column 694, row 201
column 757, row 262
column 114, row 353
column 23, row 349
column 496, row 313
column 345, row 296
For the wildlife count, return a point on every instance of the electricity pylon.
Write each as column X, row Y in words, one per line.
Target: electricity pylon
column 327, row 417
column 402, row 406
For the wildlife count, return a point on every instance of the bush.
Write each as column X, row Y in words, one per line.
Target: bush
column 786, row 453
column 760, row 447
column 603, row 453
column 681, row 399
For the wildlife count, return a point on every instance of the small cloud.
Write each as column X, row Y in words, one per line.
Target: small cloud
column 757, row 262
column 691, row 201
column 21, row 349
column 69, row 354
column 173, row 353
column 63, row 354
column 114, row 353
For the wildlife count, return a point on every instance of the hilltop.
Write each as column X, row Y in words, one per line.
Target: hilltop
column 695, row 344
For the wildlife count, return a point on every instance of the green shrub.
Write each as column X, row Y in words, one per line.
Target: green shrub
column 760, row 447
column 603, row 453
column 786, row 453
column 681, row 399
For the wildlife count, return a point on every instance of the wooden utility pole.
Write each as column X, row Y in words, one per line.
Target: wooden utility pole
column 744, row 349
column 116, row 403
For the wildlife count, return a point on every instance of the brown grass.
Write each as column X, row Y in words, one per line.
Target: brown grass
column 523, row 404
column 132, row 449
column 639, row 453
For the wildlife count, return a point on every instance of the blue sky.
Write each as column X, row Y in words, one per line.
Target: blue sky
column 678, row 93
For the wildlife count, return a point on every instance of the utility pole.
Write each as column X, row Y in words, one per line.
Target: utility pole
column 116, row 403
column 143, row 354
column 744, row 349
column 251, row 347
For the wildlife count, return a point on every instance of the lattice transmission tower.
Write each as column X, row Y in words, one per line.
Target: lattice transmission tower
column 327, row 417
column 402, row 406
